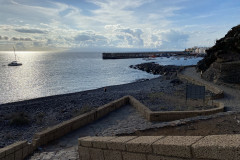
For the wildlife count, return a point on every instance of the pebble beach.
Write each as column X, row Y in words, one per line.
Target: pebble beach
column 48, row 111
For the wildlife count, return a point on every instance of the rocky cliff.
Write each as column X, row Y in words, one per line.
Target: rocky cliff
column 222, row 62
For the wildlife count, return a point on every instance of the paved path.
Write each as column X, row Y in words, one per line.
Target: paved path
column 124, row 120
column 231, row 98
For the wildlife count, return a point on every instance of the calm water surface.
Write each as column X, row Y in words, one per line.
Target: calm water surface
column 50, row 73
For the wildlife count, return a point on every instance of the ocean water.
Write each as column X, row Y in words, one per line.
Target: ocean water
column 52, row 73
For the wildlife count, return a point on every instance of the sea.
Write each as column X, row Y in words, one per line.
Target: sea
column 52, row 73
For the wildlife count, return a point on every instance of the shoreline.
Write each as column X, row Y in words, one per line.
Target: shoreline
column 48, row 111
column 74, row 93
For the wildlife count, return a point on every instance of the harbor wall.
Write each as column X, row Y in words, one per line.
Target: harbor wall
column 119, row 55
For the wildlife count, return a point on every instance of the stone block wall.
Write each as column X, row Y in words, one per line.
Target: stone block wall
column 68, row 126
column 16, row 151
column 214, row 147
column 165, row 116
column 176, row 115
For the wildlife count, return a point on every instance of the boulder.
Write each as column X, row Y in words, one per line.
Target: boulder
column 155, row 68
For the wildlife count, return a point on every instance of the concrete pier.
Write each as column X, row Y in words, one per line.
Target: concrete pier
column 124, row 55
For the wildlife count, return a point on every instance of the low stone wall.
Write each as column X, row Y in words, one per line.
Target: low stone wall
column 55, row 132
column 145, row 111
column 172, row 115
column 218, row 92
column 16, row 151
column 176, row 115
column 20, row 150
column 213, row 147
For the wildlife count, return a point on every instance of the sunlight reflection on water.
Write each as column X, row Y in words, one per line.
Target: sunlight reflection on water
column 51, row 73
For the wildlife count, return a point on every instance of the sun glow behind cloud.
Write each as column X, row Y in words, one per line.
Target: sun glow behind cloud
column 114, row 25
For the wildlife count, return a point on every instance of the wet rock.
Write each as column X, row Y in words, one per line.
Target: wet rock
column 157, row 69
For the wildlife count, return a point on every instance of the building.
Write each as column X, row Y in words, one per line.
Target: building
column 197, row 50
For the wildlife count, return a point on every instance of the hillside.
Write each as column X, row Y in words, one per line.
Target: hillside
column 222, row 62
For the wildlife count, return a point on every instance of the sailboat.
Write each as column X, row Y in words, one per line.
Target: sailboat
column 15, row 63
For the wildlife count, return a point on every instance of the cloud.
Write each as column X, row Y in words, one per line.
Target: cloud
column 154, row 38
column 20, row 45
column 4, row 38
column 174, row 40
column 20, row 39
column 132, row 36
column 83, row 37
column 30, row 31
column 133, row 32
column 37, row 44
column 91, row 39
column 160, row 24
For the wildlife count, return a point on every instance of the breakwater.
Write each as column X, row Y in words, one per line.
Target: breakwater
column 124, row 55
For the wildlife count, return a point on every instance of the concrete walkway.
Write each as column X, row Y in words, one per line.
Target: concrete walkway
column 231, row 98
column 124, row 120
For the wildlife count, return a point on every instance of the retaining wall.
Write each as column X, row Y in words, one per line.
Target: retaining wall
column 218, row 92
column 16, row 151
column 172, row 115
column 176, row 115
column 62, row 129
column 214, row 147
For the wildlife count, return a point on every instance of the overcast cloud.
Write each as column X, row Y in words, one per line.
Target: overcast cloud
column 30, row 31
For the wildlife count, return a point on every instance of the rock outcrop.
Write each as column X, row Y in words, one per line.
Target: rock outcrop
column 222, row 62
column 155, row 68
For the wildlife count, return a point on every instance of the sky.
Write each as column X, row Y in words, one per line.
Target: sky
column 115, row 25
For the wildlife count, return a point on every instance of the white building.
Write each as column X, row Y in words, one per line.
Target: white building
column 198, row 50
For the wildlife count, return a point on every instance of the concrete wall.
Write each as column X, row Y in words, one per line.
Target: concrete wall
column 68, row 126
column 214, row 147
column 140, row 54
column 172, row 115
column 176, row 115
column 16, row 151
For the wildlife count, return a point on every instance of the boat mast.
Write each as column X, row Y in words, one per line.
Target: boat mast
column 14, row 54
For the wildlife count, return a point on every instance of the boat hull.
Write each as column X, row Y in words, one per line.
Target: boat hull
column 14, row 64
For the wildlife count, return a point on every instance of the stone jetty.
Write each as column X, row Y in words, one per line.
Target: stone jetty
column 122, row 55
